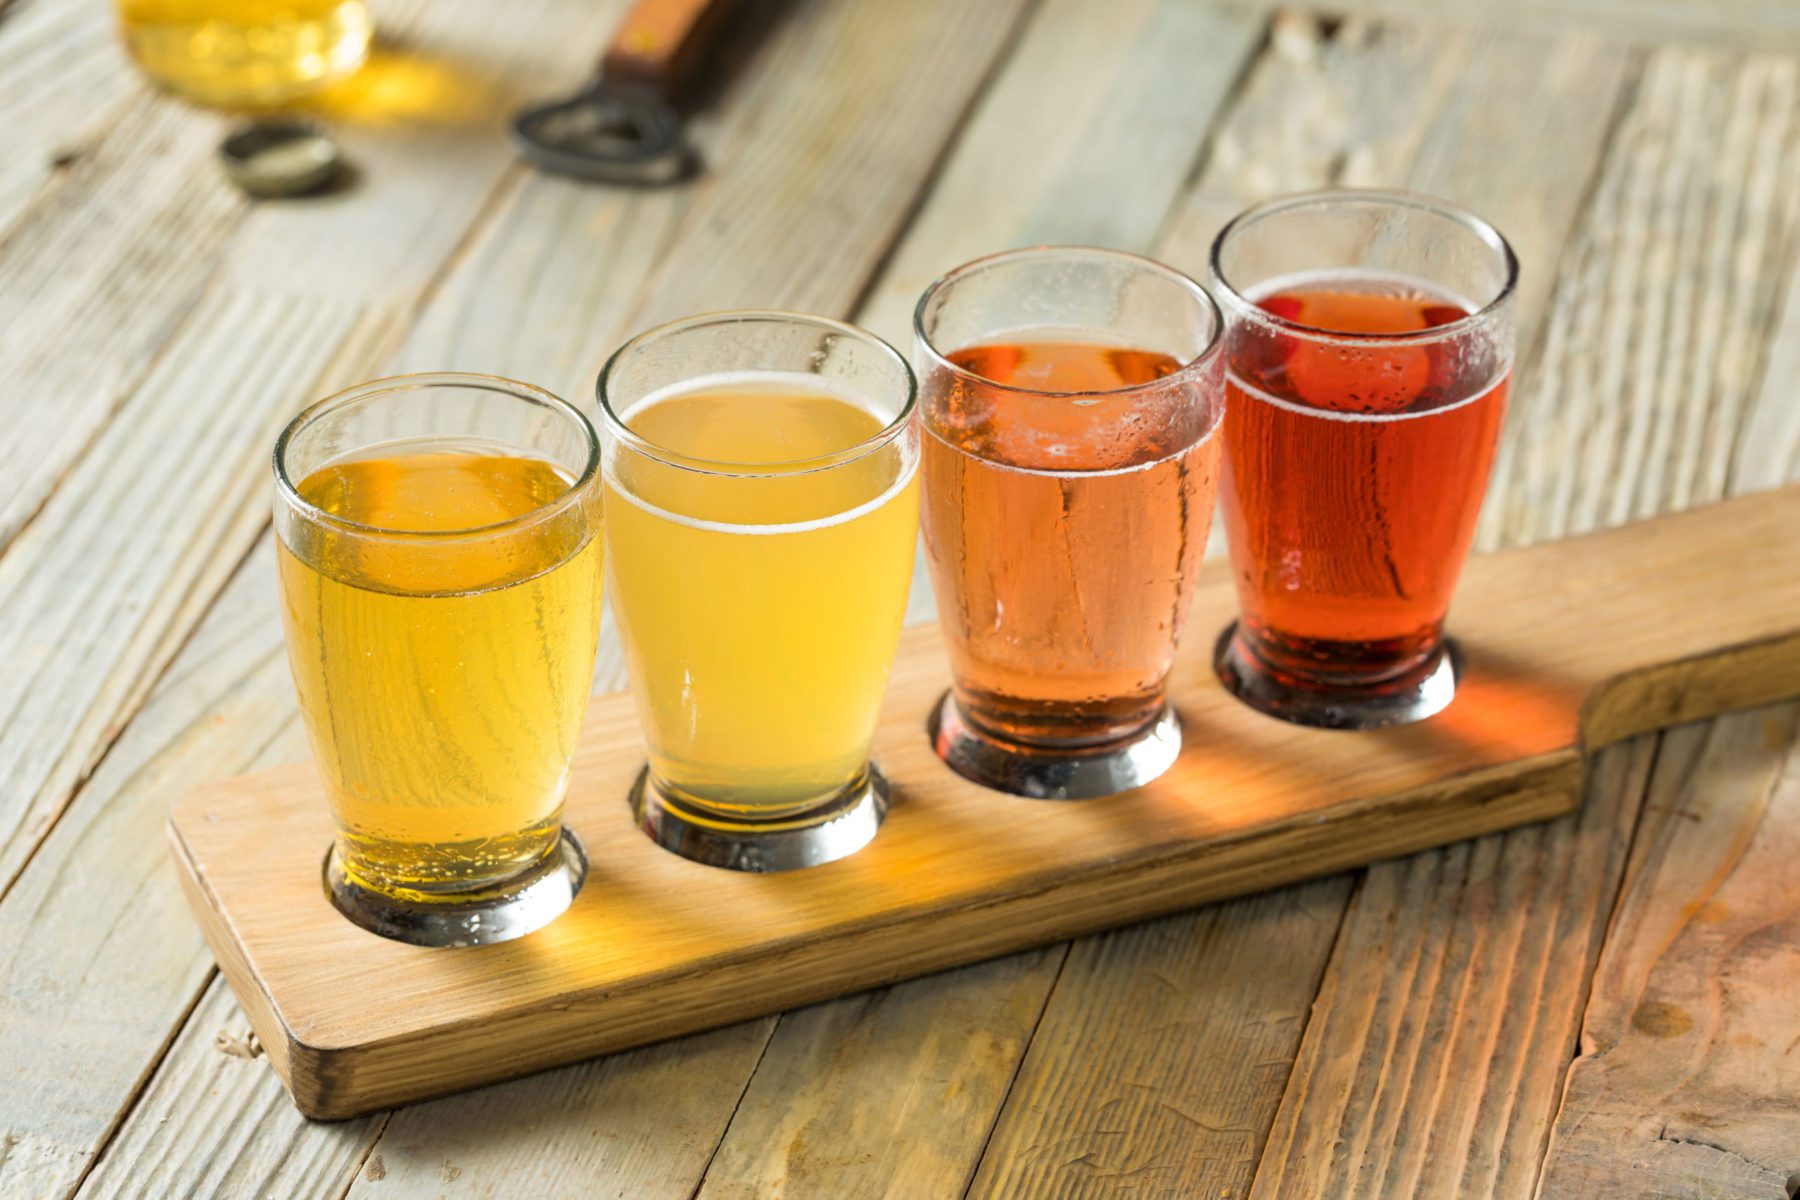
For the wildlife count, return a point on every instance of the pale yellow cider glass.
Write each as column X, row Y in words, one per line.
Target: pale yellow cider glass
column 440, row 564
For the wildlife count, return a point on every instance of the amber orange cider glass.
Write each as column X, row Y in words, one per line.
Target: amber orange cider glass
column 1369, row 351
column 1070, row 399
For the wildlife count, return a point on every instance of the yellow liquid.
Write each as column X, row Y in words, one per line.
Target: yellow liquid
column 246, row 53
column 759, row 616
column 443, row 681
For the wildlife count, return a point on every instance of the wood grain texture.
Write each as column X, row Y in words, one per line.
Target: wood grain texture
column 100, row 272
column 1087, row 136
column 1485, row 119
column 1741, row 23
column 1768, row 439
column 93, row 280
column 65, row 82
column 585, row 251
column 100, row 590
column 1164, row 1051
column 1319, row 99
column 98, row 961
column 1487, row 1139
column 548, row 282
column 636, row 1126
column 1468, row 116
column 1087, row 97
column 887, row 1094
column 1689, row 1067
column 111, row 946
column 1281, row 803
column 1655, row 343
column 111, row 575
column 1450, row 1009
column 258, row 1145
column 852, row 152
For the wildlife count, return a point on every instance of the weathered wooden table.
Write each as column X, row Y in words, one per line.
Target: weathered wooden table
column 1605, row 1006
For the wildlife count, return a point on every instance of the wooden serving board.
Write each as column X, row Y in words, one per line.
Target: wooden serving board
column 1569, row 646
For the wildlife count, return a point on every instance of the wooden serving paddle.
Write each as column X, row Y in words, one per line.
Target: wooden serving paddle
column 1568, row 646
column 624, row 127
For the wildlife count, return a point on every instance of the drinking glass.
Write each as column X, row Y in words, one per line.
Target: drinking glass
column 246, row 53
column 1369, row 349
column 762, row 512
column 440, row 569
column 1070, row 401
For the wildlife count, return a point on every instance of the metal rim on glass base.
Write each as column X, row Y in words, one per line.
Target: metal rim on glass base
column 835, row 829
column 524, row 904
column 1041, row 773
column 1424, row 691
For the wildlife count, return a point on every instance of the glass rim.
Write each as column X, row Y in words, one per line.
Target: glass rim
column 616, row 428
column 417, row 381
column 1379, row 197
column 1195, row 366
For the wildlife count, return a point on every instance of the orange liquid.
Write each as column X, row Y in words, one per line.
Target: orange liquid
column 1065, row 532
column 1353, row 478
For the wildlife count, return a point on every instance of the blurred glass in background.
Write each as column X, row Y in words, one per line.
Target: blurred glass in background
column 246, row 53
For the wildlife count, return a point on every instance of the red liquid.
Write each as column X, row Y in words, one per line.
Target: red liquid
column 1354, row 475
column 1065, row 533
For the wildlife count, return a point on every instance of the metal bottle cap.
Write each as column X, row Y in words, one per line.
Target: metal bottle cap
column 280, row 157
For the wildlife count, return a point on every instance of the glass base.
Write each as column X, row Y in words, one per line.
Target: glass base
column 521, row 905
column 1425, row 690
column 835, row 829
column 1085, row 773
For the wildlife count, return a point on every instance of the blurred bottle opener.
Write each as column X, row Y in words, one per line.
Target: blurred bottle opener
column 624, row 128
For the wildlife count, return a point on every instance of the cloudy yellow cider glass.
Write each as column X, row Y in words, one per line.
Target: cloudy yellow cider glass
column 762, row 509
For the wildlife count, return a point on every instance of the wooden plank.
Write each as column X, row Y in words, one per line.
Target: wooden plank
column 1456, row 996
column 1086, row 137
column 62, row 82
column 111, row 575
column 1768, row 440
column 1147, row 53
column 1450, row 1009
column 866, row 1097
column 1684, row 1086
column 547, row 284
column 541, row 227
column 1489, row 120
column 145, row 569
column 1281, row 803
column 1164, row 1051
column 1322, row 98
column 1653, row 345
column 94, row 279
column 1443, row 111
column 1740, row 23
column 99, row 963
column 259, row 1146
column 104, row 265
column 637, row 1126
column 855, row 152
column 1088, row 97
column 1463, row 116
column 99, row 591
